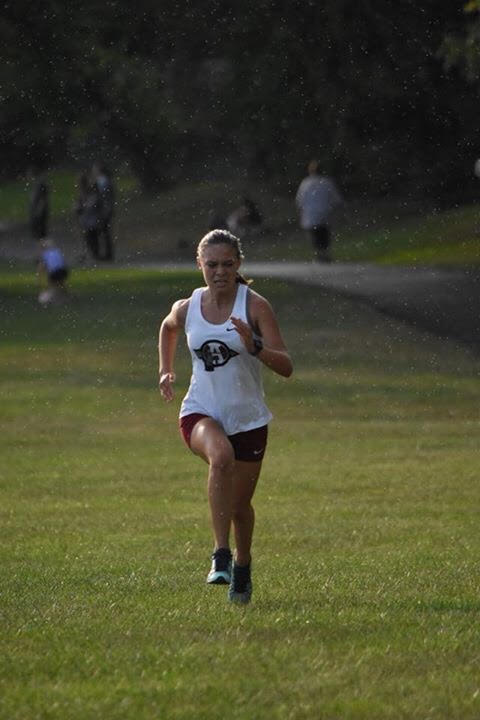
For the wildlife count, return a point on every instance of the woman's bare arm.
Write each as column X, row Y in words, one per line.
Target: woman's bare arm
column 274, row 353
column 167, row 345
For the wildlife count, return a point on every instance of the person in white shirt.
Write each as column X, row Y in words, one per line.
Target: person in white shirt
column 231, row 331
column 316, row 198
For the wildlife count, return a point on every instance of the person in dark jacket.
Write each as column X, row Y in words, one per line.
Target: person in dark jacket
column 39, row 209
column 88, row 209
column 105, row 189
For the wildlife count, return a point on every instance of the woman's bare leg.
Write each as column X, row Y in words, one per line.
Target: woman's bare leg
column 210, row 442
column 243, row 515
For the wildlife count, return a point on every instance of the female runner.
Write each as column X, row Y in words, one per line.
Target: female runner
column 230, row 332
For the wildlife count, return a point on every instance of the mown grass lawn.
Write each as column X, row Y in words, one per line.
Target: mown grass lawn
column 366, row 576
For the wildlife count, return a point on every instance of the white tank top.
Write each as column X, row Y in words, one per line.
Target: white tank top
column 226, row 382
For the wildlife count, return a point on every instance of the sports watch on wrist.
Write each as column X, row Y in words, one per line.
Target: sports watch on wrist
column 257, row 346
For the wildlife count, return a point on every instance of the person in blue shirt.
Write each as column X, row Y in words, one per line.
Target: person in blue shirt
column 53, row 273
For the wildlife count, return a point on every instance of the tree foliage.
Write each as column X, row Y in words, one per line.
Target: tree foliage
column 260, row 86
column 462, row 49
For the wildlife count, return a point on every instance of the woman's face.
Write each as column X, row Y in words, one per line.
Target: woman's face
column 219, row 265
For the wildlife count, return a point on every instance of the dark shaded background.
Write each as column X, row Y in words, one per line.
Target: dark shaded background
column 379, row 91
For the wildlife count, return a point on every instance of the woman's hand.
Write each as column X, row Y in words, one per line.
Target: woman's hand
column 245, row 332
column 165, row 385
column 272, row 351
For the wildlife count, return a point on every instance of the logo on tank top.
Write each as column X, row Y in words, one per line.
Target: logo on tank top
column 214, row 354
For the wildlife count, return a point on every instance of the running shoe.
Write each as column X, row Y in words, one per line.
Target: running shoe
column 220, row 573
column 240, row 590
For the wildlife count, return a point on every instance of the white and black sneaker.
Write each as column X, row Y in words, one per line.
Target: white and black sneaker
column 240, row 590
column 221, row 571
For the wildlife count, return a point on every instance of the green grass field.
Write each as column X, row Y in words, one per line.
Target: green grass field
column 366, row 575
column 168, row 225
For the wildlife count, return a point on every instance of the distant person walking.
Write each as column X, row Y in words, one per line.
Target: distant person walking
column 39, row 209
column 104, row 184
column 53, row 273
column 231, row 332
column 88, row 210
column 316, row 198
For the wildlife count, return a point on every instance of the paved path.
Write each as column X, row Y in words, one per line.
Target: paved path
column 443, row 301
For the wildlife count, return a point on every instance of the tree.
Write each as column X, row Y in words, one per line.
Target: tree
column 461, row 48
column 261, row 85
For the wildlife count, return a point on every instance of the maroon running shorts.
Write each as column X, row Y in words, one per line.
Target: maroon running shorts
column 247, row 446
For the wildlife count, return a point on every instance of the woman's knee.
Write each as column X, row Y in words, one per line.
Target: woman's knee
column 221, row 457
